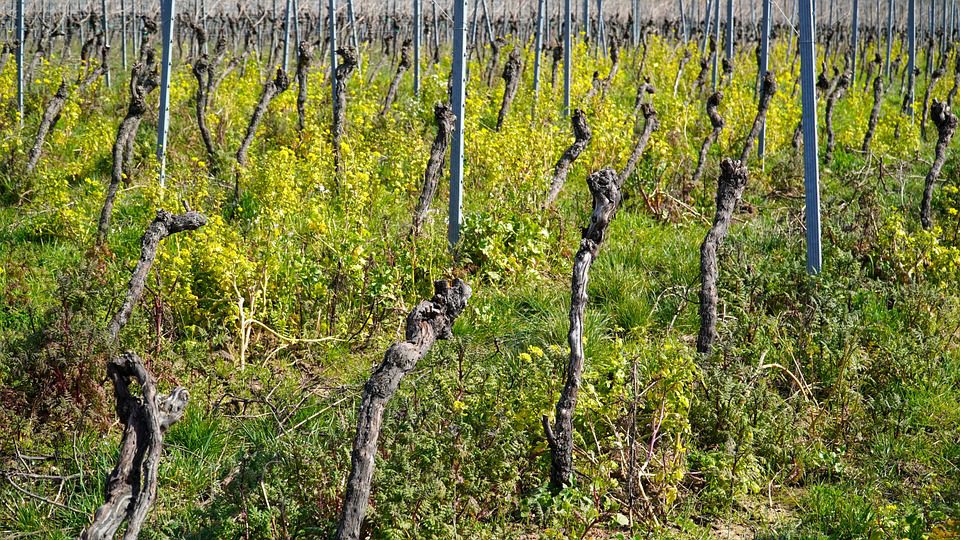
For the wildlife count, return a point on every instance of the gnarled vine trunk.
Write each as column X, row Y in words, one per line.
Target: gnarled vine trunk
column 511, row 80
column 582, row 135
column 874, row 113
column 767, row 91
column 348, row 62
column 838, row 89
column 604, row 187
column 717, row 122
column 143, row 80
column 733, row 179
column 429, row 321
column 650, row 124
column 444, row 117
column 946, row 123
column 402, row 68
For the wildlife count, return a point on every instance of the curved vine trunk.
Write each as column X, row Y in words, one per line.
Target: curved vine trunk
column 51, row 115
column 683, row 62
column 604, row 187
column 650, row 124
column 402, row 68
column 717, row 122
column 511, row 80
column 348, row 62
column 143, row 80
column 946, row 123
column 874, row 113
column 582, row 135
column 271, row 89
column 937, row 73
column 733, row 179
column 767, row 91
column 835, row 94
column 444, row 117
column 304, row 58
column 429, row 321
column 161, row 227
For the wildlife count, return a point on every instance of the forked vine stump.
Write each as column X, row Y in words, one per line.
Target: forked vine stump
column 271, row 89
column 132, row 486
column 604, row 187
column 733, row 179
column 582, row 135
column 429, row 321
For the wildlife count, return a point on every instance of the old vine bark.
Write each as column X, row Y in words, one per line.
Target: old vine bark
column 161, row 227
column 767, row 91
column 717, row 122
column 511, row 80
column 650, row 124
column 132, row 486
column 142, row 81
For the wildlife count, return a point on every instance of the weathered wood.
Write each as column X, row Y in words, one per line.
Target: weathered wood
column 161, row 227
column 304, row 58
column 650, row 124
column 582, row 135
column 557, row 58
column 733, row 179
column 874, row 113
column 444, row 117
column 717, row 122
column 203, row 73
column 838, row 89
column 346, row 66
column 143, row 80
column 946, row 123
column 767, row 91
column 511, row 81
column 429, row 321
column 604, row 187
column 402, row 68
